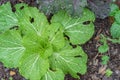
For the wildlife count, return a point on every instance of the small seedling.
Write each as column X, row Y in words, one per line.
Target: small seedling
column 105, row 59
column 103, row 48
column 10, row 78
column 108, row 72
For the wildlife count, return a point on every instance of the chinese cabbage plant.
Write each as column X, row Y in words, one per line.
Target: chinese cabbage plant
column 40, row 49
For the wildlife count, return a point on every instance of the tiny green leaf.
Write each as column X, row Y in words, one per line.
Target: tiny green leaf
column 103, row 48
column 108, row 72
column 105, row 59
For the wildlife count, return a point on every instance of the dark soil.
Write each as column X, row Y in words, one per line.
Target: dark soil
column 95, row 71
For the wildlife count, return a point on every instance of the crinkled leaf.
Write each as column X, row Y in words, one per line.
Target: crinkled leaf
column 33, row 67
column 7, row 17
column 80, row 30
column 53, row 75
column 31, row 20
column 115, row 30
column 117, row 17
column 70, row 60
column 55, row 34
column 114, row 8
column 11, row 48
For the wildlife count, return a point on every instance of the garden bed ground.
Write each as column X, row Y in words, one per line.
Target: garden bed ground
column 95, row 69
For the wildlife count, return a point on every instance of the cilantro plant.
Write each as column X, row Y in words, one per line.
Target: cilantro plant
column 38, row 48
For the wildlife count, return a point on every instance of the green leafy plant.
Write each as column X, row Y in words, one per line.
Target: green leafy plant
column 38, row 48
column 103, row 49
column 108, row 72
column 105, row 59
column 115, row 28
column 113, row 9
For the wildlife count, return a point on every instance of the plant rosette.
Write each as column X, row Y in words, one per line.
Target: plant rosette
column 38, row 48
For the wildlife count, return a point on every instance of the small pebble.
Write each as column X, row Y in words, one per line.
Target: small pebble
column 12, row 73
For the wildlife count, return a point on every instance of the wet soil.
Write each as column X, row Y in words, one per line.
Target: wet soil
column 95, row 70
